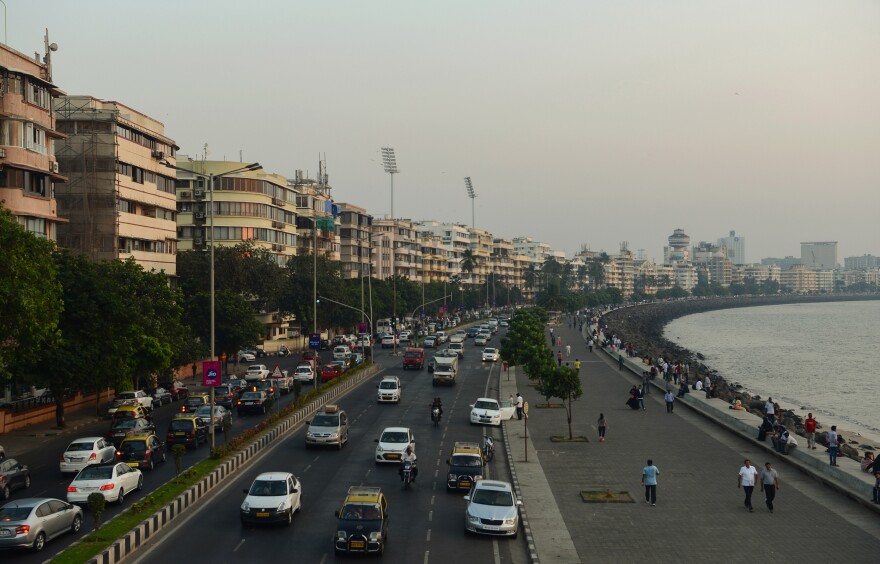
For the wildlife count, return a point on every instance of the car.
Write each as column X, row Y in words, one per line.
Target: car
column 131, row 411
column 490, row 355
column 356, row 359
column 389, row 390
column 345, row 363
column 283, row 383
column 392, row 444
column 362, row 526
column 414, row 357
column 273, row 498
column 464, row 466
column 504, row 323
column 304, row 373
column 403, row 337
column 112, row 480
column 254, row 402
column 179, row 391
column 246, row 356
column 488, row 411
column 221, row 415
column 13, row 476
column 138, row 396
column 225, row 395
column 456, row 348
column 481, row 340
column 267, row 385
column 160, row 396
column 492, row 509
column 472, row 332
column 194, row 402
column 329, row 427
column 260, row 353
column 330, row 371
column 187, row 430
column 256, row 372
column 388, row 341
column 32, row 522
column 311, row 356
column 341, row 352
column 129, row 427
column 430, row 342
column 85, row 451
column 141, row 451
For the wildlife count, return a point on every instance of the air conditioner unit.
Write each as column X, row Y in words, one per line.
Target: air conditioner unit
column 199, row 193
column 185, row 194
column 200, row 215
column 278, row 225
column 53, row 166
column 198, row 241
column 159, row 155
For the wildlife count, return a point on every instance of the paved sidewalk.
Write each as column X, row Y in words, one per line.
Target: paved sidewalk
column 699, row 515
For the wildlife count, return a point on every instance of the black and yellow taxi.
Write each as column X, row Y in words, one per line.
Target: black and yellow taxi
column 464, row 466
column 186, row 429
column 129, row 412
column 141, row 451
column 195, row 401
column 362, row 525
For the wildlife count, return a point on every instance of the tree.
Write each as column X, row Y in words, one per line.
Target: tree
column 234, row 323
column 30, row 294
column 565, row 385
column 468, row 262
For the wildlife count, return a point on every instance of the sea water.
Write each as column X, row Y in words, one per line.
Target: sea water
column 823, row 357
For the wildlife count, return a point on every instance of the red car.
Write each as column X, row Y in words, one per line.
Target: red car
column 330, row 371
column 178, row 390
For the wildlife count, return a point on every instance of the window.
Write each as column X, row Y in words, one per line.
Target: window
column 34, row 138
column 35, row 225
column 38, row 94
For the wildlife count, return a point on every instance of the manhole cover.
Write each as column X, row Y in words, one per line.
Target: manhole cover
column 606, row 496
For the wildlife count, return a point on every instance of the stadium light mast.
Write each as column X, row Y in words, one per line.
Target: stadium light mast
column 389, row 162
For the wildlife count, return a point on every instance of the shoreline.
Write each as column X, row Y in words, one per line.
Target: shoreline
column 643, row 325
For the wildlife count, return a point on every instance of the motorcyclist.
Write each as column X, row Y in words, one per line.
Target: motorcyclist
column 438, row 405
column 409, row 456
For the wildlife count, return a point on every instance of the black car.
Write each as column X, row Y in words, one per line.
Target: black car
column 225, row 396
column 129, row 427
column 142, row 452
column 160, row 396
column 472, row 332
column 187, row 430
column 254, row 402
column 13, row 476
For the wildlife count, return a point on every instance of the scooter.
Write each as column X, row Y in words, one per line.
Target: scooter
column 435, row 415
column 408, row 467
column 488, row 448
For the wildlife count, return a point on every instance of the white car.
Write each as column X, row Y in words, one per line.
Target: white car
column 256, row 372
column 389, row 390
column 430, row 342
column 393, row 443
column 86, row 451
column 457, row 348
column 111, row 480
column 387, row 341
column 492, row 509
column 481, row 340
column 273, row 498
column 490, row 355
column 141, row 397
column 341, row 352
column 247, row 356
column 304, row 373
column 488, row 411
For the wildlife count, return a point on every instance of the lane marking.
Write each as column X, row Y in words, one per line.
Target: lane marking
column 241, row 542
column 432, row 499
column 307, row 468
column 427, row 553
column 428, row 538
column 430, row 516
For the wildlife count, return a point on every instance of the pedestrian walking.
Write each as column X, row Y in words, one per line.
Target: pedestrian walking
column 567, row 351
column 770, row 409
column 670, row 401
column 558, row 341
column 559, row 358
column 810, row 430
column 577, row 365
column 519, row 406
column 832, row 445
column 590, row 344
column 646, row 378
column 649, row 480
column 746, row 479
column 620, row 362
column 769, row 485
column 602, row 425
column 640, row 396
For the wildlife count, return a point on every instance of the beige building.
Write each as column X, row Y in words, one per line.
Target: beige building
column 355, row 239
column 316, row 216
column 119, row 197
column 401, row 235
column 453, row 237
column 434, row 263
column 28, row 169
column 798, row 278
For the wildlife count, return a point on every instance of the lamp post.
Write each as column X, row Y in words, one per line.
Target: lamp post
column 389, row 162
column 211, row 178
column 370, row 319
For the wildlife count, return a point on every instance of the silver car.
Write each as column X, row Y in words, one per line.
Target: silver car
column 492, row 509
column 30, row 522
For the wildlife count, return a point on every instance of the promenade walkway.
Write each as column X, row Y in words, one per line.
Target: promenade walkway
column 699, row 515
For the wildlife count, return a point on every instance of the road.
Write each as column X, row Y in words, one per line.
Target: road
column 425, row 523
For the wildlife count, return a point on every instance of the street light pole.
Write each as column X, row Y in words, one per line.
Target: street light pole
column 389, row 161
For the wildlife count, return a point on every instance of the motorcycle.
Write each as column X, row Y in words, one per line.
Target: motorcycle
column 408, row 467
column 488, row 448
column 435, row 415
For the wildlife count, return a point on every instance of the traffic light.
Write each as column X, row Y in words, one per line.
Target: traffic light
column 393, row 323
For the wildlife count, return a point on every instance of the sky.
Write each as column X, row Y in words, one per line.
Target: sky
column 581, row 124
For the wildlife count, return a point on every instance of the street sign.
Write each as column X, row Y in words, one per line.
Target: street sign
column 424, row 315
column 277, row 372
column 211, row 373
column 362, row 327
column 315, row 341
column 526, row 408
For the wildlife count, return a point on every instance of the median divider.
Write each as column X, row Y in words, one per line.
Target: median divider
column 138, row 536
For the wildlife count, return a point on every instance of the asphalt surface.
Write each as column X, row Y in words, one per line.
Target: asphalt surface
column 426, row 524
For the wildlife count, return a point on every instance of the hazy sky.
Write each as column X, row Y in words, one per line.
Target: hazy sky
column 584, row 122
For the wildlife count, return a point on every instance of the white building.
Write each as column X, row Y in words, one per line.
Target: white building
column 819, row 254
column 736, row 248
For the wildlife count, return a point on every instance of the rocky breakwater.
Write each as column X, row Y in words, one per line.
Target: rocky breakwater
column 643, row 325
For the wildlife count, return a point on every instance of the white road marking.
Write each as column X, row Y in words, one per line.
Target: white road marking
column 496, row 552
column 324, row 558
column 436, row 472
column 238, row 545
column 430, row 516
column 432, row 499
column 427, row 553
column 307, row 468
column 428, row 538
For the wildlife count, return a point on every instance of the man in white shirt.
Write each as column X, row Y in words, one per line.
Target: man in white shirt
column 698, row 385
column 746, row 478
column 519, row 406
column 770, row 410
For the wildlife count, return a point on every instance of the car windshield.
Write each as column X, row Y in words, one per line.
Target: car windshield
column 255, row 367
column 127, row 424
column 134, row 447
column 388, row 385
column 325, row 421
column 95, row 473
column 269, row 488
column 361, row 512
column 127, row 414
column 204, row 411
column 80, row 446
column 125, row 395
column 412, row 355
column 398, row 437
column 492, row 497
column 489, row 351
column 303, row 369
column 467, row 461
column 483, row 404
column 252, row 396
column 195, row 401
column 181, row 425
column 8, row 513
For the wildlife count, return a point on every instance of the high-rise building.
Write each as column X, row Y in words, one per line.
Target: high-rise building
column 736, row 248
column 119, row 197
column 819, row 254
column 864, row 262
column 355, row 232
column 28, row 169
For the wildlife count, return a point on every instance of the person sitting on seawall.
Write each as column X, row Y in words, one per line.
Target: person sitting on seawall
column 737, row 406
column 683, row 389
column 765, row 429
column 867, row 463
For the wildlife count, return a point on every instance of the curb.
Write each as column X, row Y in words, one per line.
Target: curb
column 141, row 534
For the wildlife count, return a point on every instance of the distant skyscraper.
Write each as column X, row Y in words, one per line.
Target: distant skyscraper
column 819, row 254
column 736, row 248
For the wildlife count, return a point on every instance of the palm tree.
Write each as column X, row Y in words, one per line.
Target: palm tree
column 468, row 262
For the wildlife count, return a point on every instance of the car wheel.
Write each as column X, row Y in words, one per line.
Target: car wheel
column 77, row 523
column 152, row 465
column 39, row 542
column 140, row 482
column 27, row 481
column 164, row 455
column 5, row 492
column 289, row 520
column 121, row 497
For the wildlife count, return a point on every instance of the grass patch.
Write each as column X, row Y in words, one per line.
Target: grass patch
column 94, row 543
column 606, row 496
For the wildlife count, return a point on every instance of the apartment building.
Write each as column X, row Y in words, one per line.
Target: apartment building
column 119, row 196
column 398, row 236
column 819, row 254
column 28, row 169
column 453, row 237
column 317, row 215
column 355, row 240
column 434, row 261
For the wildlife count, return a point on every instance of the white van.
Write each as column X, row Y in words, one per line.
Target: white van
column 341, row 352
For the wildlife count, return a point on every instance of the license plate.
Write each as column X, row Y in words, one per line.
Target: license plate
column 133, row 464
column 5, row 532
column 262, row 514
column 249, row 403
column 490, row 527
column 180, row 434
column 464, row 484
column 74, row 459
column 392, row 456
column 357, row 544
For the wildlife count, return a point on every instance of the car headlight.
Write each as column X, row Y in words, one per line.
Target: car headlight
column 473, row 518
column 376, row 535
column 341, row 535
column 245, row 506
column 509, row 521
column 380, row 449
column 334, row 435
column 283, row 506
column 451, row 477
column 478, row 477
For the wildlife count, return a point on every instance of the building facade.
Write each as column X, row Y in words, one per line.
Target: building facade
column 736, row 248
column 819, row 254
column 355, row 240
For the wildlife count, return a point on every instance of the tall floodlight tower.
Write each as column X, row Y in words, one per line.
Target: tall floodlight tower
column 471, row 195
column 389, row 161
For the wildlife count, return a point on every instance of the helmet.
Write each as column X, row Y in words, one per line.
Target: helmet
column 409, row 450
